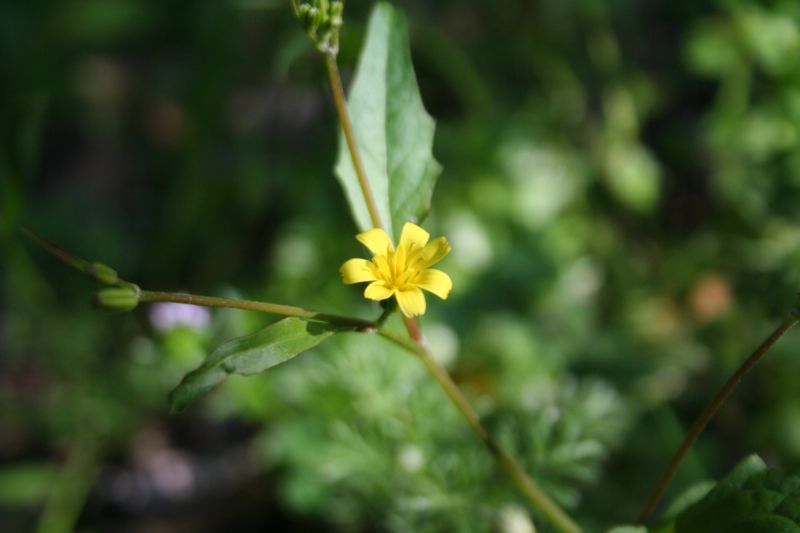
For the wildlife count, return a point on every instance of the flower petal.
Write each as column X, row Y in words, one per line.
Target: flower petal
column 377, row 291
column 411, row 302
column 376, row 241
column 435, row 281
column 413, row 236
column 435, row 251
column 356, row 271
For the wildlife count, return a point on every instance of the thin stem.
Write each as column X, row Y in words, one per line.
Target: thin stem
column 250, row 305
column 341, row 109
column 709, row 412
column 71, row 260
column 526, row 485
column 417, row 343
column 412, row 326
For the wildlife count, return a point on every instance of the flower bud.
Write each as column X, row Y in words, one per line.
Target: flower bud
column 103, row 273
column 117, row 298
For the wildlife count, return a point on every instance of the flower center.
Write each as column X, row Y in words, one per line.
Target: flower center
column 399, row 269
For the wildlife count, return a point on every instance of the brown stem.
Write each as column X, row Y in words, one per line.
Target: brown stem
column 708, row 413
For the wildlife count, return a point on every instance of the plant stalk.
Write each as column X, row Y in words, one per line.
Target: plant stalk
column 250, row 305
column 708, row 413
column 525, row 484
column 344, row 118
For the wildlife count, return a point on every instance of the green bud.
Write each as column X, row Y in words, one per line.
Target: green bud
column 117, row 298
column 103, row 273
column 321, row 20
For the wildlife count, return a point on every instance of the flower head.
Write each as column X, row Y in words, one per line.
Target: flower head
column 400, row 272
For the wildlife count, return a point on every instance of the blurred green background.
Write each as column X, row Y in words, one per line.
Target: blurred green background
column 620, row 188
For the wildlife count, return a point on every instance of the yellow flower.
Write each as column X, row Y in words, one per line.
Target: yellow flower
column 403, row 272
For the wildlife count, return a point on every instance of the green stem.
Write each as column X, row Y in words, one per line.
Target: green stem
column 69, row 490
column 250, row 305
column 75, row 262
column 341, row 109
column 417, row 344
column 709, row 412
column 526, row 485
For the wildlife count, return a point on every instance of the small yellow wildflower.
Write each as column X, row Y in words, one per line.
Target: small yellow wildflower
column 403, row 272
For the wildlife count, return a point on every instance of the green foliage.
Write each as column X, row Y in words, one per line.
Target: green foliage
column 393, row 131
column 367, row 437
column 273, row 345
column 751, row 499
column 687, row 498
column 207, row 124
column 26, row 483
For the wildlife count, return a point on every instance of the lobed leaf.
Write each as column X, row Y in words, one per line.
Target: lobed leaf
column 393, row 131
column 251, row 354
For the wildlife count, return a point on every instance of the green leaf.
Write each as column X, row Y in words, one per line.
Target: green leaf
column 751, row 499
column 271, row 346
column 26, row 484
column 633, row 175
column 393, row 131
column 687, row 498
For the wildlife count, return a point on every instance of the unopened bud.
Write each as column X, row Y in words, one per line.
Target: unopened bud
column 103, row 273
column 117, row 298
column 321, row 20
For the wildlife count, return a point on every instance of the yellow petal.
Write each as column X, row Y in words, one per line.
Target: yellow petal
column 376, row 241
column 382, row 268
column 411, row 302
column 356, row 271
column 377, row 291
column 413, row 236
column 435, row 251
column 436, row 282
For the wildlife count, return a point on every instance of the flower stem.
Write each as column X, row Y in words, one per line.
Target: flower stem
column 250, row 305
column 417, row 344
column 526, row 485
column 708, row 413
column 341, row 109
column 75, row 262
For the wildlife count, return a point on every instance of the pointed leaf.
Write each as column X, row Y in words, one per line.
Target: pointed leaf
column 271, row 346
column 393, row 131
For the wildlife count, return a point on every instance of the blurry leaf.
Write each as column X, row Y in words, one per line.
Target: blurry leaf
column 711, row 50
column 633, row 175
column 393, row 131
column 273, row 345
column 751, row 499
column 687, row 498
column 773, row 37
column 26, row 484
column 105, row 20
column 628, row 529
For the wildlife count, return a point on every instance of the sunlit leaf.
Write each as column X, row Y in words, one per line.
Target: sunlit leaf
column 393, row 131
